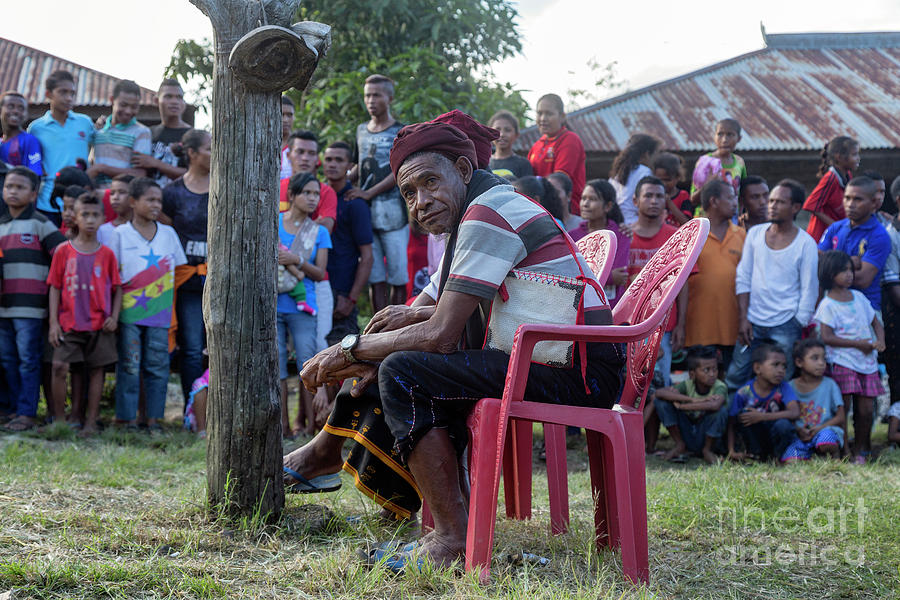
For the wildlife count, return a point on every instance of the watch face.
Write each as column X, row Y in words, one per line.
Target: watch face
column 349, row 341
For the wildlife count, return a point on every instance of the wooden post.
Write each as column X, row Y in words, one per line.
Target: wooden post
column 243, row 414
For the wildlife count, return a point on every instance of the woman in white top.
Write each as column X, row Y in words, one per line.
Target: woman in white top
column 629, row 167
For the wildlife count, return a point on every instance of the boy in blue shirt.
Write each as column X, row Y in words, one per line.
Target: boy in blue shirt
column 18, row 148
column 65, row 136
column 762, row 412
column 861, row 236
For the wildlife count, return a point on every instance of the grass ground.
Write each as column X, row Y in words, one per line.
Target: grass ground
column 122, row 516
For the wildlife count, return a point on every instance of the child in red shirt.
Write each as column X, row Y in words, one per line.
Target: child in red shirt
column 826, row 202
column 669, row 168
column 85, row 298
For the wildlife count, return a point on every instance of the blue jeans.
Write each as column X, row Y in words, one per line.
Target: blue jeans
column 664, row 358
column 767, row 439
column 741, row 369
column 21, row 350
column 142, row 351
column 191, row 338
column 303, row 333
column 693, row 433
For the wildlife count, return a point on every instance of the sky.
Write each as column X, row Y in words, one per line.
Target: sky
column 649, row 41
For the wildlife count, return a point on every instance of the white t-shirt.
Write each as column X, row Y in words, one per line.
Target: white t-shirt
column 147, row 268
column 851, row 321
column 625, row 193
column 783, row 284
column 106, row 235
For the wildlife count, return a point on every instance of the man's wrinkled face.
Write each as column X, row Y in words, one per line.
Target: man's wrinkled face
column 434, row 189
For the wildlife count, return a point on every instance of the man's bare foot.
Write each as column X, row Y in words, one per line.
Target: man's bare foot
column 88, row 431
column 310, row 462
column 710, row 456
column 441, row 550
column 675, row 452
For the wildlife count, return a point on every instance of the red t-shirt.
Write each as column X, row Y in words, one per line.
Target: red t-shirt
column 416, row 258
column 327, row 201
column 828, row 198
column 565, row 153
column 641, row 251
column 683, row 201
column 85, row 281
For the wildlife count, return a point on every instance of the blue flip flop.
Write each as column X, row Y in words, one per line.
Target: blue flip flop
column 316, row 485
column 399, row 563
column 385, row 550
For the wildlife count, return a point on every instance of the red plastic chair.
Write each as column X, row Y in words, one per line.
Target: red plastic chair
column 614, row 436
column 599, row 249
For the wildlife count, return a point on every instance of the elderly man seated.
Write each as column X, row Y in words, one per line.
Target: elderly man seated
column 414, row 375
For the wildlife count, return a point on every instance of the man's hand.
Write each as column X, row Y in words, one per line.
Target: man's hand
column 678, row 337
column 358, row 193
column 331, row 367
column 626, row 230
column 143, row 161
column 804, row 433
column 343, row 307
column 394, row 316
column 95, row 170
column 750, row 417
column 100, row 123
column 745, row 332
column 110, row 324
column 619, row 276
column 55, row 335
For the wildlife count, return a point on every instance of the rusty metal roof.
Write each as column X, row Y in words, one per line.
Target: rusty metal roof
column 794, row 94
column 25, row 69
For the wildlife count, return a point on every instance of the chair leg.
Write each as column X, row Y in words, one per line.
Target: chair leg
column 485, row 484
column 634, row 439
column 517, row 470
column 557, row 477
column 617, row 466
column 599, row 490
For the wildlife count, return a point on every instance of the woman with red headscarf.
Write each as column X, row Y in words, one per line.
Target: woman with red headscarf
column 413, row 376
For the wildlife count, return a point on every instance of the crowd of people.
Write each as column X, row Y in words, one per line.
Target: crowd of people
column 103, row 234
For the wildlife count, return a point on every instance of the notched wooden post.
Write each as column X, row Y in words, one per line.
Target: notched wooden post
column 257, row 56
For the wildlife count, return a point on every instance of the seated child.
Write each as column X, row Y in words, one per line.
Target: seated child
column 821, row 406
column 694, row 411
column 893, row 417
column 762, row 412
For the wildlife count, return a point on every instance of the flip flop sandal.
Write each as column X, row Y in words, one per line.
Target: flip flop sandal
column 403, row 561
column 680, row 459
column 316, row 485
column 20, row 424
column 385, row 550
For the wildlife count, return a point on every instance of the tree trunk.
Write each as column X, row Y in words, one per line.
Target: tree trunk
column 244, row 417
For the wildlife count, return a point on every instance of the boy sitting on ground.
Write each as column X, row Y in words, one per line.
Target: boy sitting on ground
column 762, row 412
column 694, row 410
column 821, row 406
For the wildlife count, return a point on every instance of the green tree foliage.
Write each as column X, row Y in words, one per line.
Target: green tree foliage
column 439, row 52
column 192, row 64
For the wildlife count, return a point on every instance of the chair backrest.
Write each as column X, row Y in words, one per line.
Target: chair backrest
column 599, row 249
column 653, row 291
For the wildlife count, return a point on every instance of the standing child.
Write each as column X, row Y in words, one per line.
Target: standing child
column 27, row 240
column 669, row 168
column 85, row 297
column 121, row 205
column 722, row 163
column 695, row 411
column 70, row 196
column 630, row 167
column 847, row 319
column 505, row 162
column 17, row 147
column 762, row 412
column 148, row 253
column 826, row 202
column 819, row 428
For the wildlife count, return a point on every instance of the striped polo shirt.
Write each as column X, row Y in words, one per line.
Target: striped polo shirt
column 114, row 144
column 27, row 242
column 503, row 230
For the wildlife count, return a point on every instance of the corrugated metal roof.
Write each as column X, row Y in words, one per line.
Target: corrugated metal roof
column 794, row 94
column 24, row 69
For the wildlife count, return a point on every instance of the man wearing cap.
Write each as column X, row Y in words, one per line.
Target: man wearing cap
column 414, row 375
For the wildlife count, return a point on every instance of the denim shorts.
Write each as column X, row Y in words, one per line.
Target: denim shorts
column 391, row 245
column 302, row 327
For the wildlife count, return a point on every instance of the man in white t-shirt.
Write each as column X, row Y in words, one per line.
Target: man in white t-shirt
column 776, row 283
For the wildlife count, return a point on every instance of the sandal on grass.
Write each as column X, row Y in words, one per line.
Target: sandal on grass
column 20, row 423
column 316, row 485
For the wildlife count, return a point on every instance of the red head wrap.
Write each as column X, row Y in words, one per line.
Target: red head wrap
column 452, row 134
